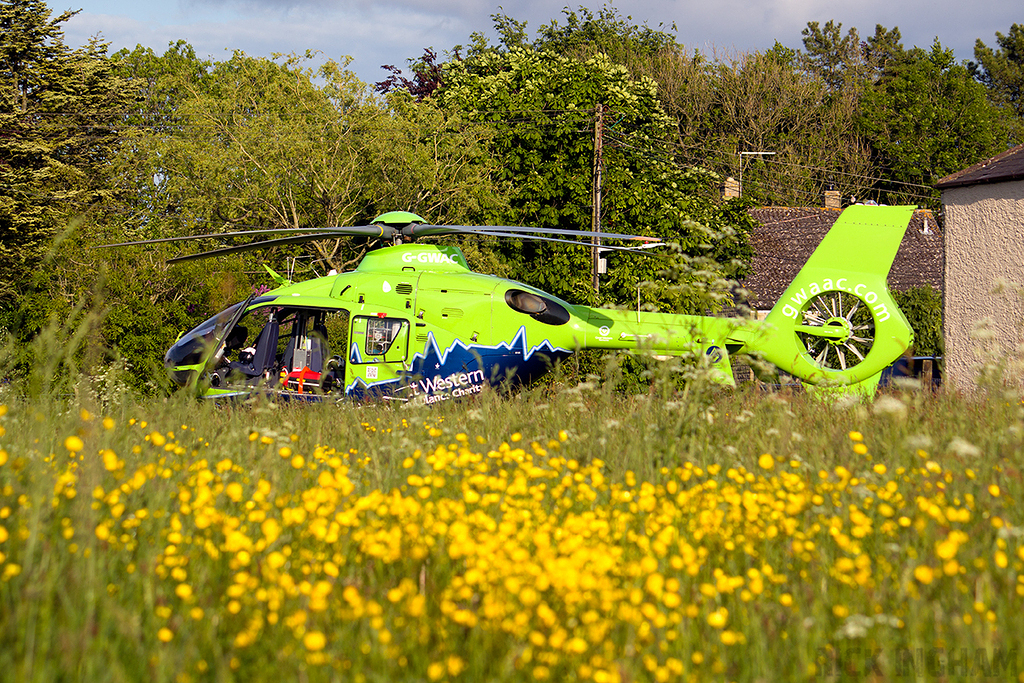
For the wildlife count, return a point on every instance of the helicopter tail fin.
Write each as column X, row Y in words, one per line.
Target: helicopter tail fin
column 837, row 323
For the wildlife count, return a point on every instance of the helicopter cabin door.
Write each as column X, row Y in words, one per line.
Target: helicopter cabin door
column 304, row 350
column 378, row 349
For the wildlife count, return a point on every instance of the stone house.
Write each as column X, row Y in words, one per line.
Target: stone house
column 984, row 267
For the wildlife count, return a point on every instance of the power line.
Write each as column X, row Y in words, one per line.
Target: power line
column 874, row 181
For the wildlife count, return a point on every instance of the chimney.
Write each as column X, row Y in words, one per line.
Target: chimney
column 731, row 189
column 832, row 199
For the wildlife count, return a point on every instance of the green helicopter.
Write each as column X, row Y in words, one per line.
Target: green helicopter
column 412, row 322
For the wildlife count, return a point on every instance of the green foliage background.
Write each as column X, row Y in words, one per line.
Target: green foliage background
column 923, row 308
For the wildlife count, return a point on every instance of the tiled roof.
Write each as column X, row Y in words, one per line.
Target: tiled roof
column 1002, row 167
column 785, row 237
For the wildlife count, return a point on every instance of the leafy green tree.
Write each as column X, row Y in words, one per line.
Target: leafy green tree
column 923, row 309
column 882, row 50
column 585, row 34
column 767, row 103
column 918, row 112
column 1002, row 70
column 60, row 111
column 61, row 115
column 252, row 143
column 832, row 56
column 543, row 107
column 763, row 102
column 926, row 117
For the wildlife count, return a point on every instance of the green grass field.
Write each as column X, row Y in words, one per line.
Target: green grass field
column 569, row 534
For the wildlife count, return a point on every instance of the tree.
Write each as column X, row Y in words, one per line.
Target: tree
column 882, row 50
column 1002, row 70
column 763, row 102
column 922, row 307
column 60, row 113
column 426, row 77
column 256, row 143
column 832, row 56
column 543, row 107
column 918, row 112
column 926, row 117
column 585, row 34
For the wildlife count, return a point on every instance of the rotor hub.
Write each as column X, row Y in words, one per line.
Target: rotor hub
column 843, row 324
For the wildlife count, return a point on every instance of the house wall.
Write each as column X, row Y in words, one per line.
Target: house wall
column 984, row 267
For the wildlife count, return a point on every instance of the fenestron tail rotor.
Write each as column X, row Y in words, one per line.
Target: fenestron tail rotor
column 838, row 330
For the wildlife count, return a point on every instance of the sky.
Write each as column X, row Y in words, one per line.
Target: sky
column 375, row 32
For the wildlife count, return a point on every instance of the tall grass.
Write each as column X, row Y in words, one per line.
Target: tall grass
column 566, row 532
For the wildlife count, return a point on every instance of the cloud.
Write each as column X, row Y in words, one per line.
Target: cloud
column 392, row 32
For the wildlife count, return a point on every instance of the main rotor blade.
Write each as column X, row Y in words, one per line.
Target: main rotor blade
column 388, row 231
column 537, row 238
column 420, row 230
column 571, row 233
column 252, row 246
column 328, row 233
column 384, row 231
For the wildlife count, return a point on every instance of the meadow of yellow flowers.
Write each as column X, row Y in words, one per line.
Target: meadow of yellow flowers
column 744, row 538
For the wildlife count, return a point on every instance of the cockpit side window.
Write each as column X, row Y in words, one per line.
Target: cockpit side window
column 381, row 334
column 376, row 339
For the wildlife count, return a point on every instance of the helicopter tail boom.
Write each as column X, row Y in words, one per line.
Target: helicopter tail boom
column 836, row 324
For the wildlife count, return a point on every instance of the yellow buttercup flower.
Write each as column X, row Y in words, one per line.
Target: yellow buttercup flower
column 314, row 641
column 718, row 618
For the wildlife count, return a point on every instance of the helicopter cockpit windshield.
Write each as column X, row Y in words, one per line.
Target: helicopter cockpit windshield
column 192, row 348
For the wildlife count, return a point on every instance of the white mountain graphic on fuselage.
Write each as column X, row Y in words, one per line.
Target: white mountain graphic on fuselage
column 462, row 369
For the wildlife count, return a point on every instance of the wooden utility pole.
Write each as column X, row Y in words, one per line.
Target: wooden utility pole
column 595, row 221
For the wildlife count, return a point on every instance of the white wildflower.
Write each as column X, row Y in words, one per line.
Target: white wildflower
column 890, row 405
column 964, row 448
